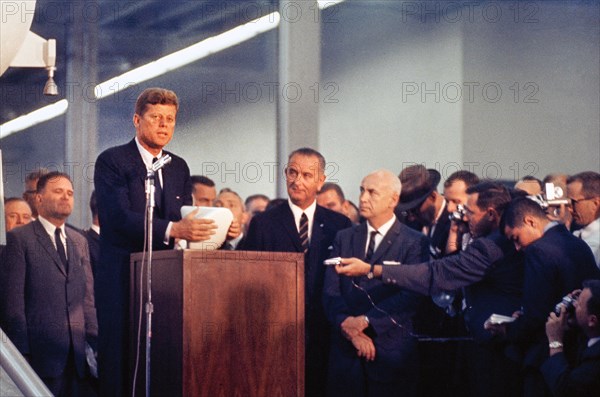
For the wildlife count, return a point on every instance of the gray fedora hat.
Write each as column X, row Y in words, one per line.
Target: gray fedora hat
column 417, row 183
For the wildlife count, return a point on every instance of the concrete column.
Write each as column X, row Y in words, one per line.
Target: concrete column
column 299, row 72
column 81, row 133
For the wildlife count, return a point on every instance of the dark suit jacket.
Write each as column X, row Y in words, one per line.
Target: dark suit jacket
column 439, row 238
column 489, row 267
column 555, row 265
column 93, row 240
column 40, row 304
column 394, row 345
column 580, row 380
column 120, row 190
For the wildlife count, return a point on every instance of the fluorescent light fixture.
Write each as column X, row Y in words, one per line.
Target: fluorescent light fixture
column 159, row 67
column 328, row 3
column 33, row 118
column 188, row 55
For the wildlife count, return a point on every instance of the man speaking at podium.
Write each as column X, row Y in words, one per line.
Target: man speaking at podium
column 119, row 180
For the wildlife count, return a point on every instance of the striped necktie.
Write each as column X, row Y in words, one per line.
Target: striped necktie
column 303, row 232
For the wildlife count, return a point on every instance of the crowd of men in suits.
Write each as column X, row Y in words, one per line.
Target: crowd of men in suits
column 404, row 309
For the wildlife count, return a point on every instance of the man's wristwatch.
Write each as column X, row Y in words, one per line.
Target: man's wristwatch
column 555, row 345
column 370, row 275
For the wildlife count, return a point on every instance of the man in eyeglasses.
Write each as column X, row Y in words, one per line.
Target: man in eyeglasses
column 583, row 190
column 300, row 225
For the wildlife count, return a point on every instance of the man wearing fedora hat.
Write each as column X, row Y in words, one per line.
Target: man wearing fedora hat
column 425, row 209
column 424, row 205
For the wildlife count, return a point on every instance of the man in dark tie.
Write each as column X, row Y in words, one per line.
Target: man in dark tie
column 46, row 291
column 373, row 352
column 300, row 225
column 119, row 180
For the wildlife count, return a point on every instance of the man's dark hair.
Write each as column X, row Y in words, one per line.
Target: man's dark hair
column 593, row 304
column 253, row 197
column 43, row 181
column 590, row 183
column 327, row 186
column 93, row 204
column 469, row 178
column 530, row 178
column 203, row 180
column 518, row 209
column 155, row 96
column 305, row 151
column 14, row 199
column 491, row 194
column 275, row 202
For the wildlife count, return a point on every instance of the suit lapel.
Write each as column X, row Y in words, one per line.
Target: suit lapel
column 359, row 241
column 290, row 226
column 45, row 241
column 72, row 255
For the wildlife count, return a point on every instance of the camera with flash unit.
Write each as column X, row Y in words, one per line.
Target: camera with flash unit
column 552, row 198
column 457, row 216
column 568, row 302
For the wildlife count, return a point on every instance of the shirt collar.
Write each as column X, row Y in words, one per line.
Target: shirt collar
column 146, row 155
column 383, row 229
column 593, row 341
column 50, row 228
column 550, row 225
column 95, row 228
column 440, row 212
column 591, row 230
column 309, row 211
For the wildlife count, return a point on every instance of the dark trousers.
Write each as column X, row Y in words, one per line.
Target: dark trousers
column 69, row 383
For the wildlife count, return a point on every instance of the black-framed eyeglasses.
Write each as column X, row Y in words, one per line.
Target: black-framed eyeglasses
column 573, row 201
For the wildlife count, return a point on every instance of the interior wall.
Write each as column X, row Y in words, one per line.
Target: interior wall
column 391, row 75
column 387, row 65
column 545, row 57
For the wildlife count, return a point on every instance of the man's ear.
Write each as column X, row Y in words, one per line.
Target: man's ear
column 345, row 206
column 492, row 214
column 136, row 120
column 593, row 321
column 530, row 221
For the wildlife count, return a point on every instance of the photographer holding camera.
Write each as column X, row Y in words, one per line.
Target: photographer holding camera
column 583, row 378
column 556, row 262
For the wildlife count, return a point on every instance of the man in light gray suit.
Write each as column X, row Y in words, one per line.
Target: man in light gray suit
column 46, row 291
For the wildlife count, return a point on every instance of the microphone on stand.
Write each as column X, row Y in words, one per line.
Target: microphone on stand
column 161, row 162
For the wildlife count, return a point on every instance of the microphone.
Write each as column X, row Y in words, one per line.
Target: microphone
column 161, row 162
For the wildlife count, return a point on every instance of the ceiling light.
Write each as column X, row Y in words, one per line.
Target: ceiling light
column 188, row 55
column 33, row 118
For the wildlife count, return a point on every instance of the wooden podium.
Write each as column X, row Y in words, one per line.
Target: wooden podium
column 225, row 323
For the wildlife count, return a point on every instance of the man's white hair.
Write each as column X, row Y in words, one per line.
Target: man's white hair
column 391, row 179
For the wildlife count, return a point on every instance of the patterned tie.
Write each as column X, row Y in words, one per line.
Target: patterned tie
column 60, row 248
column 371, row 247
column 157, row 190
column 304, row 231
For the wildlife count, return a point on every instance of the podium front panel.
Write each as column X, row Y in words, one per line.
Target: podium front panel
column 225, row 323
